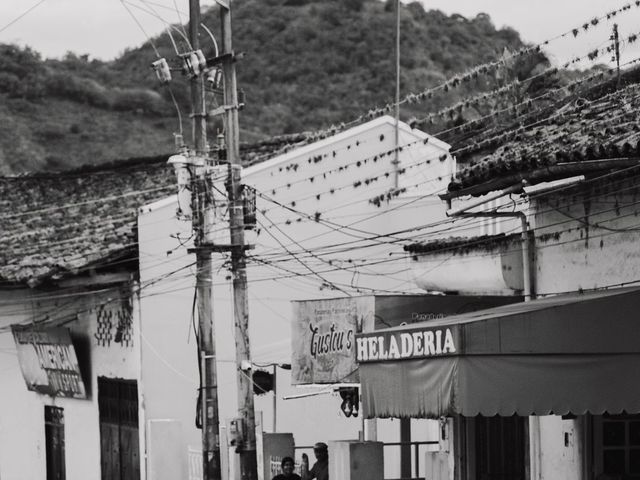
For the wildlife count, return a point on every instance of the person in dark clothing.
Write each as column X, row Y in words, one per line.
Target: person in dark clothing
column 320, row 469
column 287, row 465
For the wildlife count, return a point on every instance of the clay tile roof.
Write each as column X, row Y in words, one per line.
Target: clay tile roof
column 457, row 245
column 573, row 140
column 58, row 224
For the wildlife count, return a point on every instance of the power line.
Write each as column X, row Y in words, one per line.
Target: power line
column 22, row 15
column 124, row 4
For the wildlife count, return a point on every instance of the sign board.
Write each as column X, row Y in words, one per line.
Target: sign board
column 425, row 342
column 323, row 339
column 324, row 331
column 48, row 361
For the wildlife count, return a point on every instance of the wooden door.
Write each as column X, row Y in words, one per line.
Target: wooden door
column 119, row 441
column 500, row 448
column 54, row 442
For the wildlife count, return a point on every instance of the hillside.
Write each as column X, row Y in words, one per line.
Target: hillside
column 309, row 64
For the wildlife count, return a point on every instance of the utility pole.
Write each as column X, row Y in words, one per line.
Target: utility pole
column 204, row 275
column 248, row 462
column 616, row 45
column 396, row 160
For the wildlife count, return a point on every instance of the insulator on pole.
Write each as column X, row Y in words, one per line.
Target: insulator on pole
column 202, row 61
column 161, row 67
column 214, row 77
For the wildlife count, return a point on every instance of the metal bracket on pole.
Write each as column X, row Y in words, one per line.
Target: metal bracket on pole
column 222, row 110
column 223, row 3
column 221, row 248
column 225, row 57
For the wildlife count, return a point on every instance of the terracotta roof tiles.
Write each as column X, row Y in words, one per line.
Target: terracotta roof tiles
column 607, row 127
column 58, row 224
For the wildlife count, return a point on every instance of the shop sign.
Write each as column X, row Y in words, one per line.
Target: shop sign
column 48, row 361
column 324, row 332
column 323, row 338
column 407, row 344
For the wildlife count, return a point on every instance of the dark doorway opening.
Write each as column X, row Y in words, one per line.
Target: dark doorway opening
column 119, row 441
column 54, row 442
column 500, row 448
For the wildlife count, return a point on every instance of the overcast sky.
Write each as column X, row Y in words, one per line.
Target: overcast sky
column 104, row 28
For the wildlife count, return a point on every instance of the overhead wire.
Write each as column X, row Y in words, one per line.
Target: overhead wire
column 22, row 15
column 596, row 179
column 456, row 79
column 301, row 262
column 151, row 11
column 135, row 19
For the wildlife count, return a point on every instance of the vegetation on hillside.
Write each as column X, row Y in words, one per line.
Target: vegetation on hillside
column 309, row 64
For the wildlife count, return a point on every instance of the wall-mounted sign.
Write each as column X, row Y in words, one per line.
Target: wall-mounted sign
column 324, row 331
column 48, row 361
column 324, row 336
column 408, row 344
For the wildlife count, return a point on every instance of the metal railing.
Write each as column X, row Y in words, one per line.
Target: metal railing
column 415, row 446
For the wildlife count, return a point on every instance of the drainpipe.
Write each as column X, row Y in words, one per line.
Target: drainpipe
column 534, row 420
column 463, row 212
column 524, row 236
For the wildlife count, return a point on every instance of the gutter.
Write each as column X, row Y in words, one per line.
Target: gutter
column 546, row 173
column 527, row 266
column 521, row 186
column 463, row 212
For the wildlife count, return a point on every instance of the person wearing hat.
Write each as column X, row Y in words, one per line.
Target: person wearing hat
column 320, row 469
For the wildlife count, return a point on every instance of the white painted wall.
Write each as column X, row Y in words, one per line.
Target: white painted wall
column 169, row 366
column 558, row 460
column 344, row 163
column 589, row 239
column 22, row 442
column 585, row 238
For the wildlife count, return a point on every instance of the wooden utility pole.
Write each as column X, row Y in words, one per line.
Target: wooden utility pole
column 204, row 275
column 248, row 462
column 396, row 160
column 616, row 46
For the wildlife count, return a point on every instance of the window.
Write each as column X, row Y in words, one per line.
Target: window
column 54, row 442
column 617, row 442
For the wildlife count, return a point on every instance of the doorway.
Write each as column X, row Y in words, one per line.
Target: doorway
column 495, row 448
column 500, row 448
column 119, row 441
column 54, row 442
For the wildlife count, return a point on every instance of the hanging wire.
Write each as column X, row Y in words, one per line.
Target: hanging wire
column 169, row 25
column 213, row 39
column 124, row 4
column 155, row 14
column 23, row 14
column 175, row 104
column 175, row 4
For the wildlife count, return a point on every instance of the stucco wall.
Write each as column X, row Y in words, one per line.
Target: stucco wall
column 561, row 452
column 588, row 238
column 169, row 367
column 22, row 447
column 333, row 180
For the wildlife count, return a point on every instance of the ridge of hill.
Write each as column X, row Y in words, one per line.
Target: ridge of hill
column 309, row 64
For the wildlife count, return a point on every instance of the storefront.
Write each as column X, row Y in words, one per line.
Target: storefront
column 324, row 353
column 571, row 364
